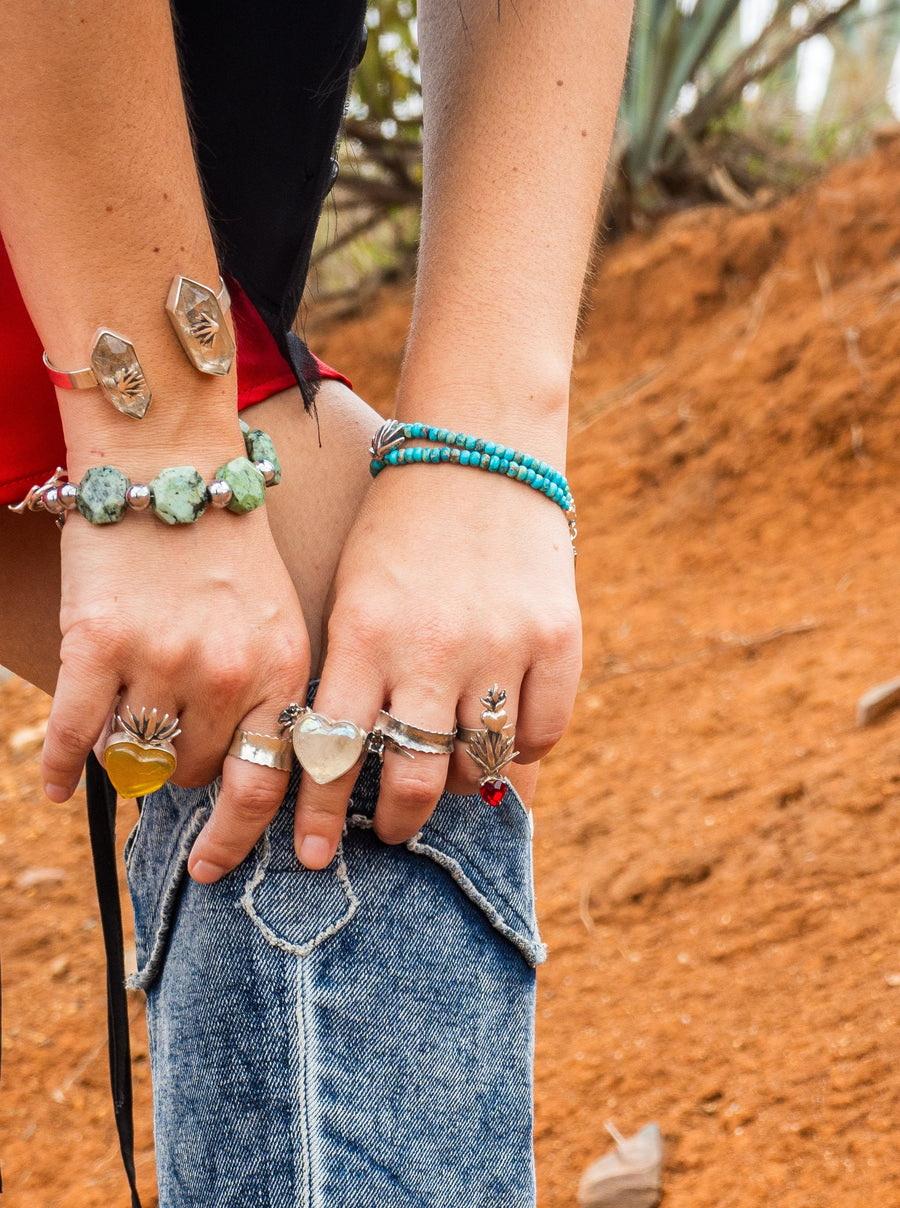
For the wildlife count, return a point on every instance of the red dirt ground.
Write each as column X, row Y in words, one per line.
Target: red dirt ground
column 716, row 847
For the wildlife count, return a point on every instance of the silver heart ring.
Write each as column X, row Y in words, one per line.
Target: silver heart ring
column 325, row 748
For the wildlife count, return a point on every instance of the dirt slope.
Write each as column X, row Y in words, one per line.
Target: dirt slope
column 717, row 844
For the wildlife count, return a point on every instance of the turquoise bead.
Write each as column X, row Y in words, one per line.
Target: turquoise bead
column 100, row 496
column 261, row 447
column 248, row 487
column 448, row 446
column 179, row 495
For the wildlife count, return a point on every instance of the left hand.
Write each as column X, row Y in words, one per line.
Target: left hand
column 451, row 580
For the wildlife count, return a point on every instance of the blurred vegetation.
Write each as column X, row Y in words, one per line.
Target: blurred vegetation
column 719, row 103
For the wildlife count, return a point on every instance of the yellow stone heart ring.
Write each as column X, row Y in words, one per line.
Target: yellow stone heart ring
column 138, row 753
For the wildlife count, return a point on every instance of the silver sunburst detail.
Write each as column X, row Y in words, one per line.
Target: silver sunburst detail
column 388, row 437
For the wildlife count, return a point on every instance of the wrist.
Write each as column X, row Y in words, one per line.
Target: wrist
column 523, row 403
column 193, row 422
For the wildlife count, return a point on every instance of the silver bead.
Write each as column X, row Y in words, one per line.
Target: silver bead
column 267, row 470
column 219, row 493
column 52, row 501
column 138, row 497
column 67, row 493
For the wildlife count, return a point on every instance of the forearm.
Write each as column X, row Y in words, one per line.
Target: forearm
column 100, row 206
column 519, row 114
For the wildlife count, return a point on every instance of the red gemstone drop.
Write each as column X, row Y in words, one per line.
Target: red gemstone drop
column 493, row 791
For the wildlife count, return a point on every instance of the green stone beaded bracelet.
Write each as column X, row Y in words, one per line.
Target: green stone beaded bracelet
column 456, row 448
column 177, row 495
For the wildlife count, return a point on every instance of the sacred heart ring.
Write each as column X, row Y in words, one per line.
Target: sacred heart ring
column 138, row 753
column 491, row 747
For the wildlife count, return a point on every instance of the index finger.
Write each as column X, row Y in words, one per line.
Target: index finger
column 85, row 694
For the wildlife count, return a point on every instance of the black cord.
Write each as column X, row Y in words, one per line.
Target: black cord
column 101, row 804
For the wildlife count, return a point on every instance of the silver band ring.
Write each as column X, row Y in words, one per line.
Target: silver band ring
column 412, row 738
column 262, row 749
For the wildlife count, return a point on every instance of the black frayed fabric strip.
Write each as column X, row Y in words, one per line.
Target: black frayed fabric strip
column 266, row 88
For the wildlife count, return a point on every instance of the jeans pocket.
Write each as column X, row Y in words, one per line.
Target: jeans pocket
column 156, row 856
column 296, row 909
column 487, row 852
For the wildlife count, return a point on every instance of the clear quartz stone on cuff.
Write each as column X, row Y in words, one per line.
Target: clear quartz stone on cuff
column 119, row 374
column 199, row 323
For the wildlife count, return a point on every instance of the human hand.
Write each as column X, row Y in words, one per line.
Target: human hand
column 450, row 581
column 199, row 621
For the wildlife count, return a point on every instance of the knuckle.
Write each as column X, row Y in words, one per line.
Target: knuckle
column 320, row 819
column 228, row 676
column 394, row 834
column 82, row 640
column 251, row 806
column 414, row 790
column 542, row 733
column 64, row 739
column 169, row 659
column 559, row 637
column 543, row 739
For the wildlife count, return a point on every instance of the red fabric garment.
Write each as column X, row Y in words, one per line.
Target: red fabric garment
column 31, row 436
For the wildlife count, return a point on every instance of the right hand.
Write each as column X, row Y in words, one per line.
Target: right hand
column 199, row 621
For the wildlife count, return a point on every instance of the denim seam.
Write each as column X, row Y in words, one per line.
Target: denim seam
column 266, row 931
column 533, row 950
column 302, row 1146
column 165, row 903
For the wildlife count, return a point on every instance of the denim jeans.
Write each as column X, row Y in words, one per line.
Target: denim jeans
column 350, row 1038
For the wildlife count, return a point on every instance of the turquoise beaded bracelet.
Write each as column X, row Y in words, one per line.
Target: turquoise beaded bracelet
column 177, row 495
column 456, row 448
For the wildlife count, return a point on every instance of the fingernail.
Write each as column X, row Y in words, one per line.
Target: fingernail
column 57, row 792
column 204, row 872
column 315, row 852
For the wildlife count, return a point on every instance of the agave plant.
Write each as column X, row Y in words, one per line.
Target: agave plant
column 688, row 70
column 688, row 73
